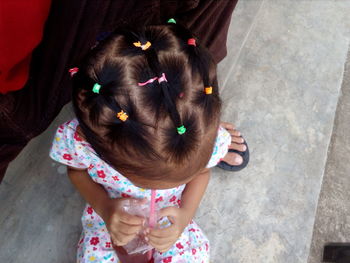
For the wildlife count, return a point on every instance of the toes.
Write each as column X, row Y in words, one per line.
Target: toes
column 234, row 133
column 237, row 159
column 233, row 158
column 228, row 126
column 237, row 140
column 238, row 147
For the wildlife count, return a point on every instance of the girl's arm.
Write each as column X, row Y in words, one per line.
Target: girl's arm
column 122, row 226
column 193, row 193
column 164, row 239
column 93, row 193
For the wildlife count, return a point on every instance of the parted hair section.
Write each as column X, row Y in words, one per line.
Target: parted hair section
column 148, row 102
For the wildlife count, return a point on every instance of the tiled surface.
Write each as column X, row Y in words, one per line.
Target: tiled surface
column 332, row 223
column 281, row 85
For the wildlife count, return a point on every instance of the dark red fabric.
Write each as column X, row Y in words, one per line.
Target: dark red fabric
column 70, row 31
column 21, row 28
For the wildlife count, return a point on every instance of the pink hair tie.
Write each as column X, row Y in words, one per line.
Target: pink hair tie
column 162, row 78
column 73, row 71
column 147, row 82
column 191, row 42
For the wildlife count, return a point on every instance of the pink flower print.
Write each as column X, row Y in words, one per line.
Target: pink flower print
column 77, row 137
column 172, row 199
column 167, row 260
column 101, row 174
column 206, row 246
column 159, row 199
column 89, row 210
column 192, row 230
column 108, row 244
column 179, row 246
column 178, row 202
column 67, row 157
column 194, row 251
column 91, row 166
column 125, row 195
column 94, row 241
column 115, row 178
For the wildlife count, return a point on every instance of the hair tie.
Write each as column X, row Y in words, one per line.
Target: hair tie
column 171, row 21
column 162, row 78
column 181, row 130
column 144, row 46
column 122, row 116
column 73, row 71
column 208, row 90
column 96, row 88
column 191, row 42
column 147, row 82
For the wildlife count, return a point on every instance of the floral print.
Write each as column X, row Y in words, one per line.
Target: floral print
column 95, row 243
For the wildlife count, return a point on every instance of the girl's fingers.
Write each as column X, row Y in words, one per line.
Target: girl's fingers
column 131, row 220
column 162, row 233
column 161, row 248
column 129, row 229
column 121, row 240
column 158, row 241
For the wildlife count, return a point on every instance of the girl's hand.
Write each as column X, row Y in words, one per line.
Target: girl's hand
column 163, row 239
column 121, row 226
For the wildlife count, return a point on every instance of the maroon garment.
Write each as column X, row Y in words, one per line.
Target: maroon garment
column 70, row 31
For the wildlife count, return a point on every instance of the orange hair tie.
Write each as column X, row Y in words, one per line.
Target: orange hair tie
column 143, row 47
column 122, row 116
column 208, row 90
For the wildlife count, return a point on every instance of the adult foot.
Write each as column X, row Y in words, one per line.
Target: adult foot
column 237, row 143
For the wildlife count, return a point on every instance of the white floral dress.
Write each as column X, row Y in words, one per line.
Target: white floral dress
column 95, row 243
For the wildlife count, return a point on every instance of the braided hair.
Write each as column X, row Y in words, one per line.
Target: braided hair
column 143, row 102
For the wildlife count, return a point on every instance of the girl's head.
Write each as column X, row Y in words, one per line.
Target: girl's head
column 147, row 101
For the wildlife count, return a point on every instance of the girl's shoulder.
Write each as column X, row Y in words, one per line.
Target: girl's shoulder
column 69, row 148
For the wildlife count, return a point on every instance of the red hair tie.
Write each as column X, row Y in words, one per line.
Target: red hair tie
column 73, row 71
column 191, row 42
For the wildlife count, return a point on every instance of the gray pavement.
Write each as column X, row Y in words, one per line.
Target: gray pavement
column 332, row 223
column 280, row 83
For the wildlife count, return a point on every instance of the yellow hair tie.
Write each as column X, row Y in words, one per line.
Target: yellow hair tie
column 122, row 116
column 143, row 47
column 208, row 90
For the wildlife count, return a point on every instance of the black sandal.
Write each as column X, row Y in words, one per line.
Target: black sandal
column 236, row 168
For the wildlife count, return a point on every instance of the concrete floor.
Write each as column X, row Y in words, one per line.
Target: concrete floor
column 281, row 84
column 332, row 223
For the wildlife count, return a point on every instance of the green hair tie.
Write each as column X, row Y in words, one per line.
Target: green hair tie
column 96, row 88
column 172, row 20
column 181, row 130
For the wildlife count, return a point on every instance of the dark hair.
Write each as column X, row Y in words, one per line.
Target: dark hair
column 148, row 142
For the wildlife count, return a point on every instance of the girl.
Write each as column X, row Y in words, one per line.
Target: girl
column 148, row 109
